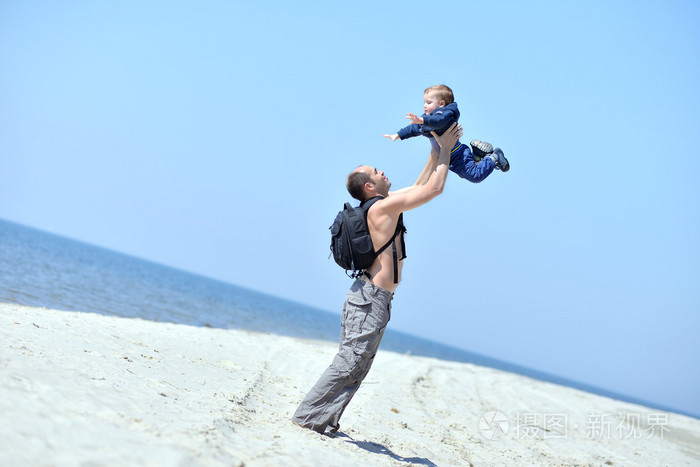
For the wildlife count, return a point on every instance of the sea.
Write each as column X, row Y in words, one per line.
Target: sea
column 41, row 269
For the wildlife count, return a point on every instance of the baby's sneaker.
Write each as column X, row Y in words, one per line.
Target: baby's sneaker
column 480, row 149
column 501, row 163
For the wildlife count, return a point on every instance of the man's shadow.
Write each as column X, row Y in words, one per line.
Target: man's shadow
column 377, row 448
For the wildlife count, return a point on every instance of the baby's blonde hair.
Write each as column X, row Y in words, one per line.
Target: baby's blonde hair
column 443, row 93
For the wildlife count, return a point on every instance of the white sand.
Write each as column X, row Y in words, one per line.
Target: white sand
column 79, row 388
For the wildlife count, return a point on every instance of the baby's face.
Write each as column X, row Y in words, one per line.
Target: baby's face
column 431, row 102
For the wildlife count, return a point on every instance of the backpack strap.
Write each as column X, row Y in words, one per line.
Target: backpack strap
column 392, row 241
column 399, row 228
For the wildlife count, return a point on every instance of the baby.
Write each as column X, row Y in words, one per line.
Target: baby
column 475, row 163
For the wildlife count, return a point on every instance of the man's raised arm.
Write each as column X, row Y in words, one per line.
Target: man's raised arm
column 424, row 175
column 432, row 179
column 428, row 169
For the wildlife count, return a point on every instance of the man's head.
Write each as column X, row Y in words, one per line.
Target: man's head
column 437, row 96
column 367, row 182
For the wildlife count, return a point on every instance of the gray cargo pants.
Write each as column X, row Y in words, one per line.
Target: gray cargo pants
column 366, row 312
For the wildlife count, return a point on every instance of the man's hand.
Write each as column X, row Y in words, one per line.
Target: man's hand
column 449, row 137
column 415, row 118
column 393, row 137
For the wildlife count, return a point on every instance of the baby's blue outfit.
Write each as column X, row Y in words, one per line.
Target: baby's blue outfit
column 461, row 159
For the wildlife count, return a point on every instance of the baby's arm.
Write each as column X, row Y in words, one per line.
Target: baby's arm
column 414, row 129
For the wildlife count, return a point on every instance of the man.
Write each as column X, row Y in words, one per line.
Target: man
column 367, row 307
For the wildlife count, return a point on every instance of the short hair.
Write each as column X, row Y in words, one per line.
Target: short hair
column 443, row 93
column 356, row 184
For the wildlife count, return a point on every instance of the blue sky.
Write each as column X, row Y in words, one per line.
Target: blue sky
column 216, row 137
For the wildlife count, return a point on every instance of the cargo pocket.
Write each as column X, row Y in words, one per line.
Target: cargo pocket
column 364, row 327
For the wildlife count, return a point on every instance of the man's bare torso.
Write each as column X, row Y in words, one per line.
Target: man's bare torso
column 381, row 227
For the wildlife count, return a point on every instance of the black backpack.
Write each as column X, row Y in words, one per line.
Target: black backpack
column 351, row 243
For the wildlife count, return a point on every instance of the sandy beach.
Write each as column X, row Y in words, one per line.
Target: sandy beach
column 79, row 388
